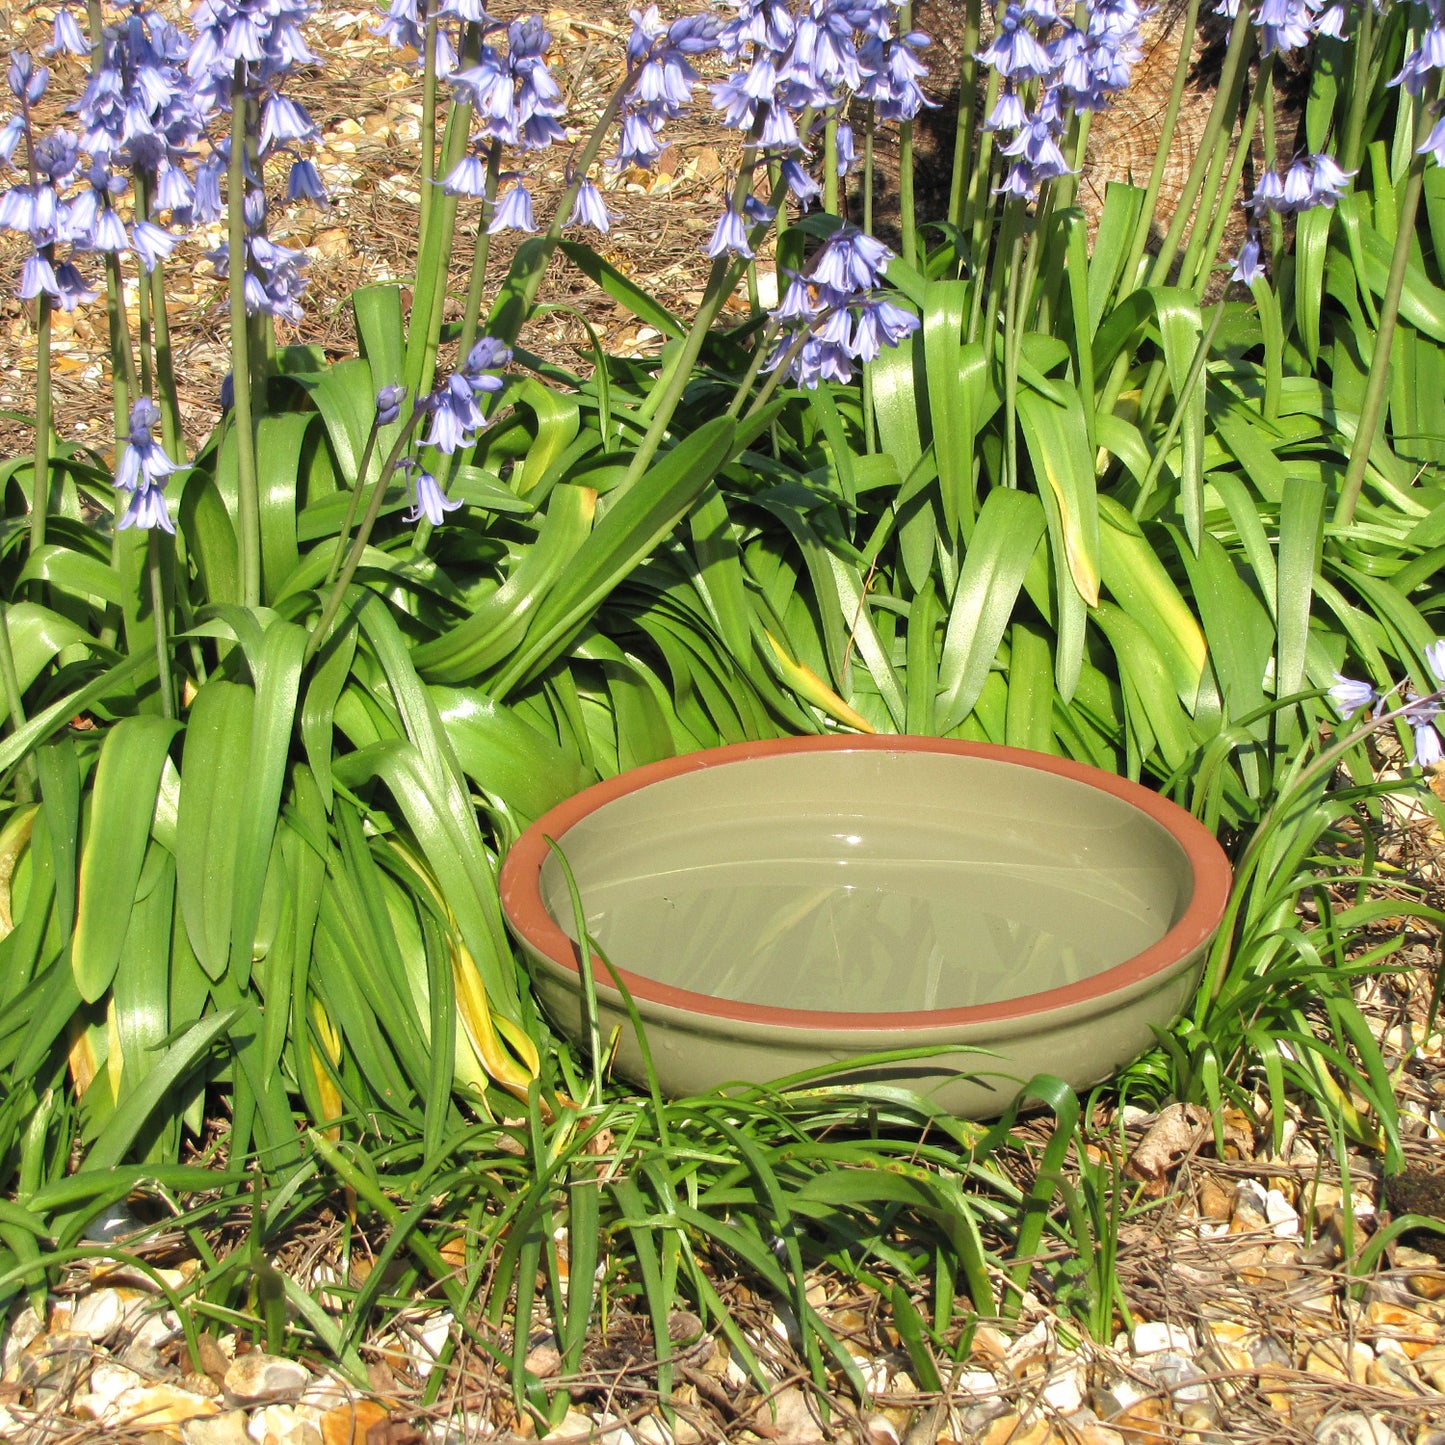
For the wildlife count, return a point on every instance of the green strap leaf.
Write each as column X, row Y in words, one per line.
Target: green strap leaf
column 213, row 777
column 1009, row 527
column 122, row 800
column 1134, row 574
column 497, row 626
column 617, row 286
column 632, row 526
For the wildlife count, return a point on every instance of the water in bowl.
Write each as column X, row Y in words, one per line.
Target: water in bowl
column 874, row 936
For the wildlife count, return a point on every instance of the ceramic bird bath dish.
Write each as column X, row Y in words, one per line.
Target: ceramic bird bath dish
column 787, row 905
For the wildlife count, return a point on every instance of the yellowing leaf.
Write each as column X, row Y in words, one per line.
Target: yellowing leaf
column 13, row 838
column 809, row 686
column 326, row 1089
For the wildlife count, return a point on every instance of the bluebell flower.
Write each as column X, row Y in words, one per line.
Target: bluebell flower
column 488, row 87
column 1248, row 266
column 27, row 84
column 402, row 26
column 1284, row 25
column 139, row 107
column 1312, row 181
column 174, row 192
column 106, row 231
column 1008, row 112
column 851, row 260
column 1434, row 143
column 589, row 209
column 1040, row 13
column 273, row 280
column 56, row 156
column 303, row 183
column 1014, row 51
column 152, row 243
column 1327, row 180
column 486, row 356
column 1429, row 749
column 729, row 236
column 283, row 119
column 1036, row 147
column 799, row 303
column 428, row 499
column 539, row 98
column 207, row 205
column 513, row 94
column 34, row 210
column 472, row 11
column 638, row 144
column 10, row 134
column 1435, row 659
column 1298, row 187
column 1332, row 23
column 513, row 212
column 467, row 178
column 455, row 416
column 1350, row 695
column 388, row 404
column 147, row 509
column 1415, row 74
column 881, row 323
column 66, row 36
column 70, row 288
column 893, row 72
column 143, row 463
column 757, row 211
column 37, row 275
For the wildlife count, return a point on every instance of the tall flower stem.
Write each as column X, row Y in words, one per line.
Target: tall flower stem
column 435, row 253
column 144, row 339
column 519, row 289
column 830, row 164
column 153, row 283
column 907, row 222
column 442, row 464
column 334, row 598
column 166, row 389
column 1357, row 93
column 122, row 359
column 967, row 102
column 248, row 506
column 869, row 440
column 1372, row 406
column 428, row 134
column 755, row 365
column 979, row 215
column 40, row 487
column 159, row 611
column 1012, row 344
column 1199, row 259
column 662, row 401
column 472, row 309
column 1221, row 116
column 357, row 487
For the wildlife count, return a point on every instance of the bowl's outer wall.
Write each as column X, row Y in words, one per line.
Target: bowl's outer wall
column 1082, row 1033
column 975, row 1075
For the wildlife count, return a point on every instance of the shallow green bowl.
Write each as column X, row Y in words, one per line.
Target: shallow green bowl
column 782, row 906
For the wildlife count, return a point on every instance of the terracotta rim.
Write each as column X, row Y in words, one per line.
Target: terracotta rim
column 528, row 917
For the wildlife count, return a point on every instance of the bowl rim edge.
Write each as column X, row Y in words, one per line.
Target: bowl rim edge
column 534, row 927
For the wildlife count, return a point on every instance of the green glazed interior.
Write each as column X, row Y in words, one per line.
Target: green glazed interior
column 877, row 882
